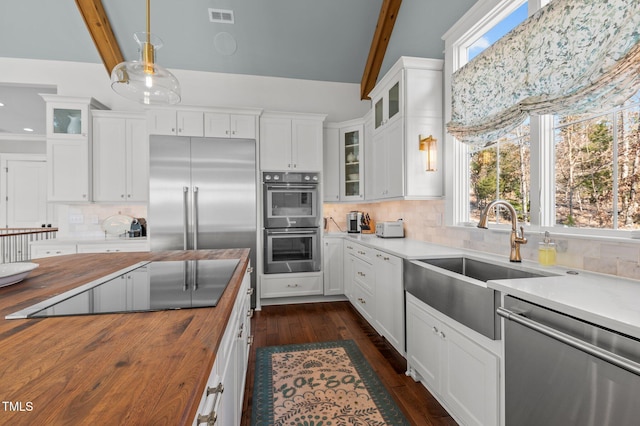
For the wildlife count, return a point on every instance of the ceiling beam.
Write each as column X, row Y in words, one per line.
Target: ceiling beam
column 99, row 27
column 384, row 28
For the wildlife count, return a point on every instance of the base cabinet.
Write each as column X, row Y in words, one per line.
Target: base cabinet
column 462, row 374
column 332, row 267
column 373, row 284
column 221, row 402
column 291, row 285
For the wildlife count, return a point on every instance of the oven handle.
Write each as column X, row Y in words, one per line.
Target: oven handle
column 289, row 186
column 290, row 232
column 581, row 345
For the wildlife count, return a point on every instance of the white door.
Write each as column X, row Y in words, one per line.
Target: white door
column 26, row 193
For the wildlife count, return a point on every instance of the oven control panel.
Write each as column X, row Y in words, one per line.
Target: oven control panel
column 291, row 177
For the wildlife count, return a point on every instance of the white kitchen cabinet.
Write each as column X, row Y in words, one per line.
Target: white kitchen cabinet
column 448, row 359
column 373, row 283
column 387, row 178
column 221, row 402
column 69, row 170
column 389, row 299
column 120, row 157
column 333, row 266
column 406, row 103
column 69, row 117
column 123, row 247
column 347, row 273
column 363, row 287
column 236, row 126
column 291, row 142
column 291, row 285
column 352, row 163
column 175, row 122
column 331, row 163
column 387, row 105
column 69, row 147
column 40, row 251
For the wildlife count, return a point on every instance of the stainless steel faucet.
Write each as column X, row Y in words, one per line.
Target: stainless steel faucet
column 515, row 239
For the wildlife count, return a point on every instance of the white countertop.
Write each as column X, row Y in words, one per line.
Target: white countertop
column 607, row 300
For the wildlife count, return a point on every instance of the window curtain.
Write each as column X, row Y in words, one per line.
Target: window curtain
column 571, row 57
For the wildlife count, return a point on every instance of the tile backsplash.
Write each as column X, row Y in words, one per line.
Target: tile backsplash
column 83, row 221
column 424, row 221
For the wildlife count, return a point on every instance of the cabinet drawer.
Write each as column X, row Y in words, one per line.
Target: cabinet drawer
column 363, row 275
column 363, row 253
column 112, row 248
column 363, row 301
column 38, row 252
column 285, row 286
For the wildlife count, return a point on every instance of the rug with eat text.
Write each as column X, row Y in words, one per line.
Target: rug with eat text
column 320, row 384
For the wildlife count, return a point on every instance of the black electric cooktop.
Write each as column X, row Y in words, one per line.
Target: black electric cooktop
column 144, row 287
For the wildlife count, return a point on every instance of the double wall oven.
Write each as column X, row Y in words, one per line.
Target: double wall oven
column 292, row 210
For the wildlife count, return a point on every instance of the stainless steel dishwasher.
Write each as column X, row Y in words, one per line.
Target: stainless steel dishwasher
column 564, row 371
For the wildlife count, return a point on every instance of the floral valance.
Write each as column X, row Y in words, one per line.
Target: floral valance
column 572, row 56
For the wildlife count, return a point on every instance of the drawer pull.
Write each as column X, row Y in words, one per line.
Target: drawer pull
column 212, row 417
column 292, row 285
column 240, row 331
column 362, row 274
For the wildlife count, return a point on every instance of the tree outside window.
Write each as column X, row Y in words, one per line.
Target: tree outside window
column 502, row 171
column 597, row 169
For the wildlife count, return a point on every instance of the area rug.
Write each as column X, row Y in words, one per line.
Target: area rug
column 319, row 384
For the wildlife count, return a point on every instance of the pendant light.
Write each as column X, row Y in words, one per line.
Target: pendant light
column 144, row 81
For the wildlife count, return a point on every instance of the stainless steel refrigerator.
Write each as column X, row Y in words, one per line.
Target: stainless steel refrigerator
column 202, row 194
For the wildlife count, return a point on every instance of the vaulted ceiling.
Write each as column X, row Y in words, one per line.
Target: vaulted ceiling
column 327, row 40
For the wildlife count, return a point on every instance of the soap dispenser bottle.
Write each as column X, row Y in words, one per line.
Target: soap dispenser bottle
column 546, row 251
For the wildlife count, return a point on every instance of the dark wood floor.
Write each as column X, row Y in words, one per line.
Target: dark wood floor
column 321, row 322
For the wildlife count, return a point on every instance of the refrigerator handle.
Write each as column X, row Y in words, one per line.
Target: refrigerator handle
column 185, row 221
column 195, row 217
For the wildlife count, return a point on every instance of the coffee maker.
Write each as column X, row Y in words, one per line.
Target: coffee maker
column 354, row 222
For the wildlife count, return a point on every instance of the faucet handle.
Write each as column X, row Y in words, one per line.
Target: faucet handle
column 520, row 238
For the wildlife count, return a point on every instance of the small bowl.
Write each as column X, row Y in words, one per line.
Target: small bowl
column 353, row 176
column 12, row 273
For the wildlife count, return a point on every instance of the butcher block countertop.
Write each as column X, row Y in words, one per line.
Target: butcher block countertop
column 138, row 368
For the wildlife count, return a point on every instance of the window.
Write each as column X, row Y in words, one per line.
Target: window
column 497, row 31
column 502, row 171
column 578, row 173
column 597, row 177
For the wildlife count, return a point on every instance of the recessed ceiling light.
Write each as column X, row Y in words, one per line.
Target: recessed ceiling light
column 28, row 129
column 1, row 104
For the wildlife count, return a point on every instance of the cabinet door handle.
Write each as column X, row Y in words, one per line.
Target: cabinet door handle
column 434, row 329
column 250, row 313
column 211, row 418
column 250, row 340
column 441, row 334
column 121, row 195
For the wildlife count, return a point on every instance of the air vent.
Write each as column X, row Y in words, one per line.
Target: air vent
column 221, row 16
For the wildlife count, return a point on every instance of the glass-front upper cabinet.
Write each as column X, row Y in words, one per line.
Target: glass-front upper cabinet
column 69, row 117
column 388, row 105
column 352, row 164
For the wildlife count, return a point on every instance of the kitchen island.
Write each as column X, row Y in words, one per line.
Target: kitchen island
column 134, row 368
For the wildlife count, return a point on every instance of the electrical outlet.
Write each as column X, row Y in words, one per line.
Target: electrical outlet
column 76, row 218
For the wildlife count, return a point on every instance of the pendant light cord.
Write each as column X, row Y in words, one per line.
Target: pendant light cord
column 149, row 21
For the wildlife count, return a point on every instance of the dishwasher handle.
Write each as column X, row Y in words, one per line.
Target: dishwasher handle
column 610, row 357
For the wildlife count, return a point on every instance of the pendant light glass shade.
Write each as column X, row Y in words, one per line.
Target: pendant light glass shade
column 144, row 81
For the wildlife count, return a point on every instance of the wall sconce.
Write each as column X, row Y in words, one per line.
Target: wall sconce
column 428, row 145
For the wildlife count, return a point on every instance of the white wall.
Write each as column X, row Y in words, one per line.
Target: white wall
column 340, row 101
